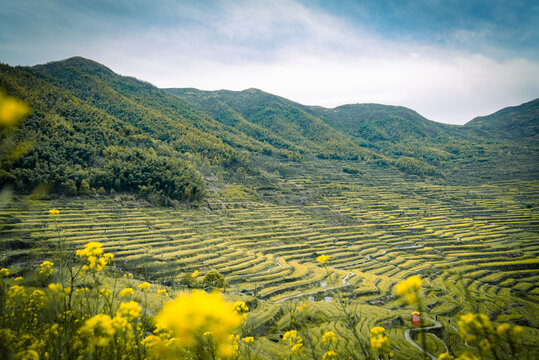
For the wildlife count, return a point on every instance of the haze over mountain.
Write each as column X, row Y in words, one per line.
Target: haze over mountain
column 92, row 128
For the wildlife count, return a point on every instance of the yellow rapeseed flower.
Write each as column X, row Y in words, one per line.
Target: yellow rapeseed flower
column 248, row 340
column 328, row 337
column 484, row 344
column 54, row 212
column 474, row 326
column 323, row 258
column 127, row 292
column 11, row 111
column 46, row 268
column 81, row 291
column 190, row 315
column 55, row 288
column 162, row 292
column 329, row 355
column 144, row 286
column 409, row 289
column 4, row 272
column 106, row 292
column 240, row 307
column 295, row 342
column 18, row 279
column 98, row 330
column 28, row 354
column 468, row 356
column 195, row 273
column 517, row 330
column 15, row 291
column 130, row 310
column 292, row 334
column 378, row 339
column 377, row 330
column 94, row 257
column 445, row 356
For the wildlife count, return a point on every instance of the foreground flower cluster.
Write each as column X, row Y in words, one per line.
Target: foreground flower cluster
column 81, row 314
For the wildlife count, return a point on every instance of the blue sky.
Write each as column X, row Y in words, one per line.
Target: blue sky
column 449, row 60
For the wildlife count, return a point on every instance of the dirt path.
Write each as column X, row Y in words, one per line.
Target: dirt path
column 265, row 271
column 408, row 337
column 344, row 284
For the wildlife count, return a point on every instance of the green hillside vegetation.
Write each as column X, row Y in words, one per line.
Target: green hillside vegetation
column 381, row 134
column 524, row 124
column 91, row 130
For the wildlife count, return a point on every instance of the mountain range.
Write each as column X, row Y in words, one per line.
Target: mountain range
column 91, row 130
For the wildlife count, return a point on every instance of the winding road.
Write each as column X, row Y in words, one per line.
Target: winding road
column 344, row 283
column 408, row 337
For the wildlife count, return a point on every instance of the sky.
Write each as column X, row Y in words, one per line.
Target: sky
column 449, row 60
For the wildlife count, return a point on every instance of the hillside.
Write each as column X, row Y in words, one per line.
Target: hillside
column 275, row 118
column 385, row 135
column 515, row 122
column 91, row 129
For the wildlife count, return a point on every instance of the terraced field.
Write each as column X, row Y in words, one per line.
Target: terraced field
column 377, row 227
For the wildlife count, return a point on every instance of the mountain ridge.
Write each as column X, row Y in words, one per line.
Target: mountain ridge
column 229, row 132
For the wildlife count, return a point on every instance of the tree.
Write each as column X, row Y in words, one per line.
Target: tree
column 84, row 188
column 214, row 279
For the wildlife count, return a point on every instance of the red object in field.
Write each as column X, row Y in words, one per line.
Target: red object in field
column 416, row 318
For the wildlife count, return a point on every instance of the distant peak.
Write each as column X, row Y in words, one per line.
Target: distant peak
column 78, row 62
column 252, row 90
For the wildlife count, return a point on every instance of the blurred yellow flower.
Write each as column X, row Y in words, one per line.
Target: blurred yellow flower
column 474, row 326
column 46, row 268
column 93, row 254
column 468, row 356
column 162, row 292
column 54, row 287
column 329, row 355
column 106, row 292
column 248, row 340
column 195, row 273
column 295, row 342
column 409, row 289
column 445, row 356
column 144, row 286
column 484, row 344
column 15, row 291
column 98, row 330
column 11, row 111
column 328, row 337
column 127, row 292
column 130, row 310
column 191, row 315
column 81, row 291
column 517, row 330
column 322, row 258
column 240, row 307
column 54, row 212
column 4, row 272
column 378, row 339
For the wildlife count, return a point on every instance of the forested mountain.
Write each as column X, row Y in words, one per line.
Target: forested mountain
column 381, row 134
column 276, row 120
column 92, row 130
column 515, row 122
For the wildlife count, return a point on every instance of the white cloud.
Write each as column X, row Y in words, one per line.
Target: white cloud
column 309, row 56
